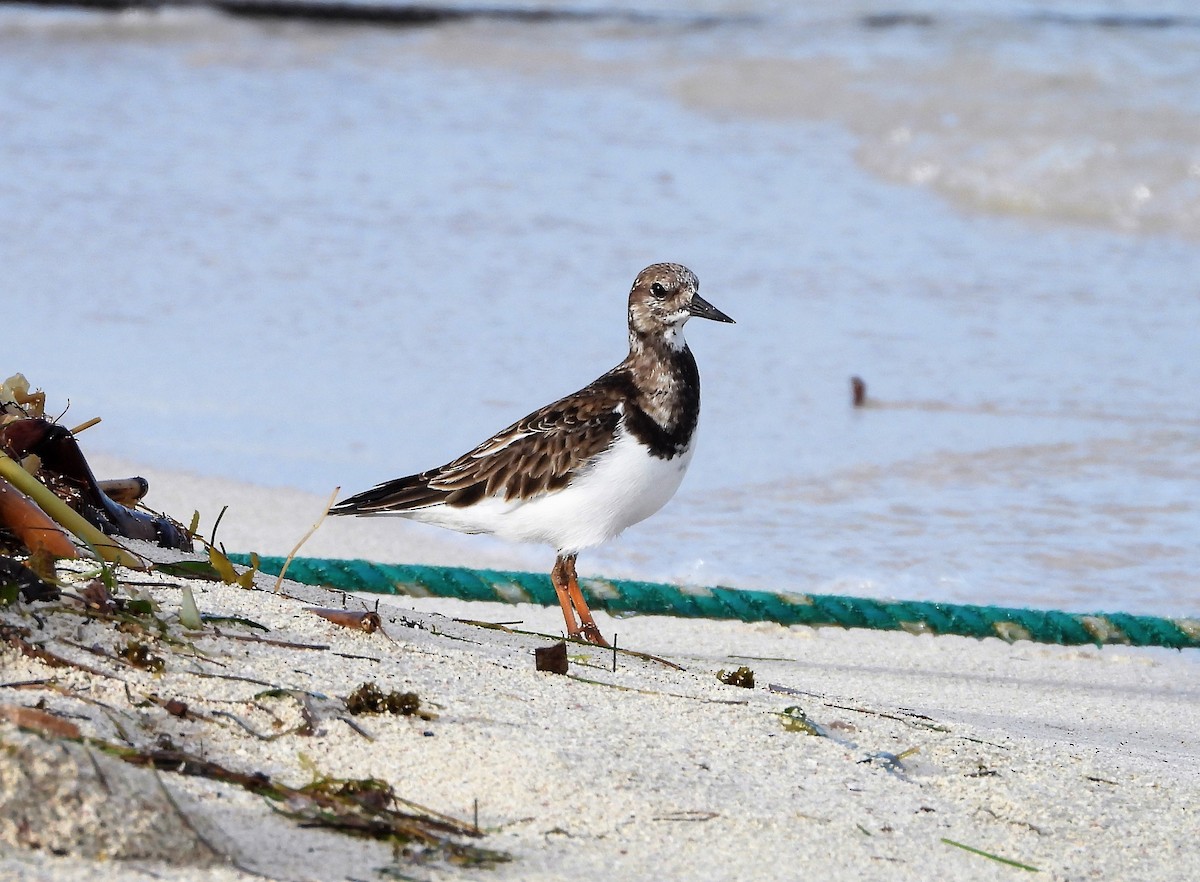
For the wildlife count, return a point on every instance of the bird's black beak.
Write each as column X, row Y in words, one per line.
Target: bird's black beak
column 701, row 308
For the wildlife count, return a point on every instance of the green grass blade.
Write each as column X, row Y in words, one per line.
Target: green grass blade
column 990, row 856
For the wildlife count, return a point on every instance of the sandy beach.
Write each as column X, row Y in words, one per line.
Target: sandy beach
column 857, row 755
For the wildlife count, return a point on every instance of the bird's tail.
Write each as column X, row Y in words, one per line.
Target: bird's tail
column 398, row 496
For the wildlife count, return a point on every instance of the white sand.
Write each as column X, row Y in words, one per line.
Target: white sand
column 1082, row 763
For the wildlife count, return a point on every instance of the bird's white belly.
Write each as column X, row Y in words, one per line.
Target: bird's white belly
column 624, row 486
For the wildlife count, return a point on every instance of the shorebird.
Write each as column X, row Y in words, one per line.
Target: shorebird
column 579, row 471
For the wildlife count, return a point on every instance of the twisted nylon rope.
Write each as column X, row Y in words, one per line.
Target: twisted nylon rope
column 618, row 596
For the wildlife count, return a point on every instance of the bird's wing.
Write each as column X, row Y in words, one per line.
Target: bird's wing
column 536, row 455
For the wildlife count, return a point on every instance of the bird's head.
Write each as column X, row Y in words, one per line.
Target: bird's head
column 664, row 296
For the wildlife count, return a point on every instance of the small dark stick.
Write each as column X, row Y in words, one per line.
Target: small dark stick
column 477, row 813
column 859, row 391
column 614, row 652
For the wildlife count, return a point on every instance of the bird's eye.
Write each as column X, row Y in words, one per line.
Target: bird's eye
column 658, row 290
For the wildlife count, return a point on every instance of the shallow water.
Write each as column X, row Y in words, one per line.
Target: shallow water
column 317, row 256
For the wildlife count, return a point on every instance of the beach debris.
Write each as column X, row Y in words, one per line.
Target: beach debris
column 911, row 718
column 267, row 641
column 858, row 391
column 363, row 620
column 224, row 569
column 232, row 620
column 552, row 658
column 788, row 690
column 85, row 425
column 33, row 719
column 189, row 613
column 124, row 491
column 17, row 637
column 369, row 807
column 189, row 569
column 369, row 792
column 296, row 548
column 96, row 596
column 794, row 719
column 43, row 565
column 370, row 699
column 52, row 507
column 687, row 815
column 364, row 807
column 314, row 708
column 46, row 486
column 990, row 856
column 743, row 677
column 477, row 623
column 20, row 580
column 88, row 533
column 142, row 656
column 16, row 399
column 63, row 468
column 892, row 762
column 32, row 526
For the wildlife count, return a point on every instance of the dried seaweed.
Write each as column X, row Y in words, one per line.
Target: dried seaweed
column 121, row 623
column 19, row 580
column 142, row 656
column 232, row 620
column 743, row 677
column 370, row 699
column 65, row 470
column 225, row 570
column 188, row 569
column 295, row 549
column 33, row 719
column 892, row 762
column 267, row 641
column 794, row 719
column 362, row 807
column 96, row 597
column 15, row 636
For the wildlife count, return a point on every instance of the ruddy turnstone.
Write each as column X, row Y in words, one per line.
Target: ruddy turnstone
column 579, row 471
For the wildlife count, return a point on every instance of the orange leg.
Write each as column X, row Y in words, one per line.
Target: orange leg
column 558, row 576
column 588, row 631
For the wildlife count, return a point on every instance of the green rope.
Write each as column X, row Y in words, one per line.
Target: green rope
column 653, row 598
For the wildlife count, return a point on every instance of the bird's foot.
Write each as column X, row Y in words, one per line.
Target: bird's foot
column 589, row 632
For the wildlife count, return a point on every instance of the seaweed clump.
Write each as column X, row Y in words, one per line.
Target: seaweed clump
column 370, row 699
column 140, row 655
column 743, row 677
